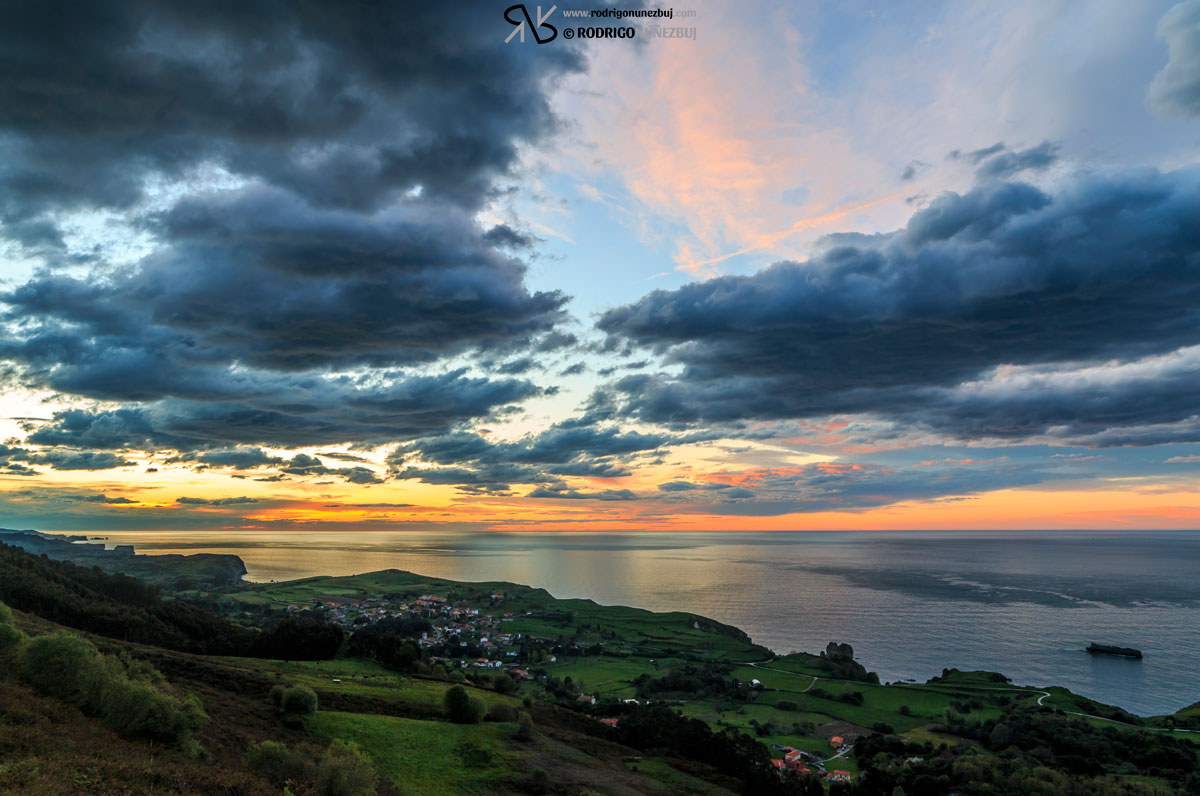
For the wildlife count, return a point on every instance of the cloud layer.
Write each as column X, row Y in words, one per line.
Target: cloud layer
column 304, row 182
column 902, row 324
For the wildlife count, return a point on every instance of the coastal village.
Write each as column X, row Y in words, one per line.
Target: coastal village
column 468, row 628
column 453, row 625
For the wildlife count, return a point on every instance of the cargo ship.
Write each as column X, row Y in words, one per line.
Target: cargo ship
column 1108, row 649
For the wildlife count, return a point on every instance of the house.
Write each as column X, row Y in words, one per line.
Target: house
column 836, row 742
column 778, row 764
column 840, row 776
column 609, row 722
column 586, row 699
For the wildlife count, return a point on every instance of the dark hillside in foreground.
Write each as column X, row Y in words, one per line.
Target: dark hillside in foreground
column 204, row 571
column 118, row 606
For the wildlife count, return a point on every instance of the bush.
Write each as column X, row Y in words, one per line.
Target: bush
column 277, row 692
column 278, row 763
column 300, row 700
column 503, row 684
column 138, row 709
column 10, row 638
column 462, row 708
column 477, row 710
column 883, row 727
column 130, row 698
column 64, row 666
column 524, row 727
column 345, row 771
column 502, row 712
column 786, row 704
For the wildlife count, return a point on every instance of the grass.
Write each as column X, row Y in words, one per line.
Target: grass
column 427, row 757
column 673, row 780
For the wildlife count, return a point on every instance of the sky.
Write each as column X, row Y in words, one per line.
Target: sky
column 756, row 266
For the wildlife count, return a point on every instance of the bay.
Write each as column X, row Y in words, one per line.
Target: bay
column 910, row 602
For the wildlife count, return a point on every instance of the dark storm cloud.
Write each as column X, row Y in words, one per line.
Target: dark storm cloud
column 229, row 501
column 327, row 181
column 258, row 278
column 1176, row 89
column 688, row 486
column 472, row 461
column 504, row 235
column 517, row 366
column 574, row 369
column 1108, row 269
column 57, row 459
column 290, row 412
column 860, row 486
column 346, row 106
column 79, row 460
column 112, row 501
column 1009, row 163
column 305, row 465
column 562, row 492
column 554, row 341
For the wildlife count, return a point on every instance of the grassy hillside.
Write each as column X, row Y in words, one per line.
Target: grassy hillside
column 688, row 706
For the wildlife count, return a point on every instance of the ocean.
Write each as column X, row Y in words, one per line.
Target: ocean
column 1022, row 603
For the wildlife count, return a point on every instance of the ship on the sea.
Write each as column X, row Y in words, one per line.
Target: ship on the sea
column 1107, row 649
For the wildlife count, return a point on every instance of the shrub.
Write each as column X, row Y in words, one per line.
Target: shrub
column 461, row 707
column 300, row 700
column 278, row 763
column 72, row 669
column 277, row 692
column 137, row 709
column 10, row 638
column 345, row 771
column 786, row 704
column 502, row 712
column 455, row 702
column 476, row 710
column 503, row 684
column 524, row 727
column 64, row 666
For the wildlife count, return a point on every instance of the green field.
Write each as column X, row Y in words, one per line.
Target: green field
column 427, row 758
column 637, row 643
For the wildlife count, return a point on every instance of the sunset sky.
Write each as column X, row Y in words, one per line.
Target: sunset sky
column 845, row 265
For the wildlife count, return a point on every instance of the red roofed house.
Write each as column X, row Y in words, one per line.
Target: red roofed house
column 836, row 742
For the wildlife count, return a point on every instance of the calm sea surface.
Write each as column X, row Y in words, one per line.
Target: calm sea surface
column 910, row 603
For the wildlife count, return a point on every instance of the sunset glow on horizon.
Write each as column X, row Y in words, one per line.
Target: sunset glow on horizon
column 817, row 267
